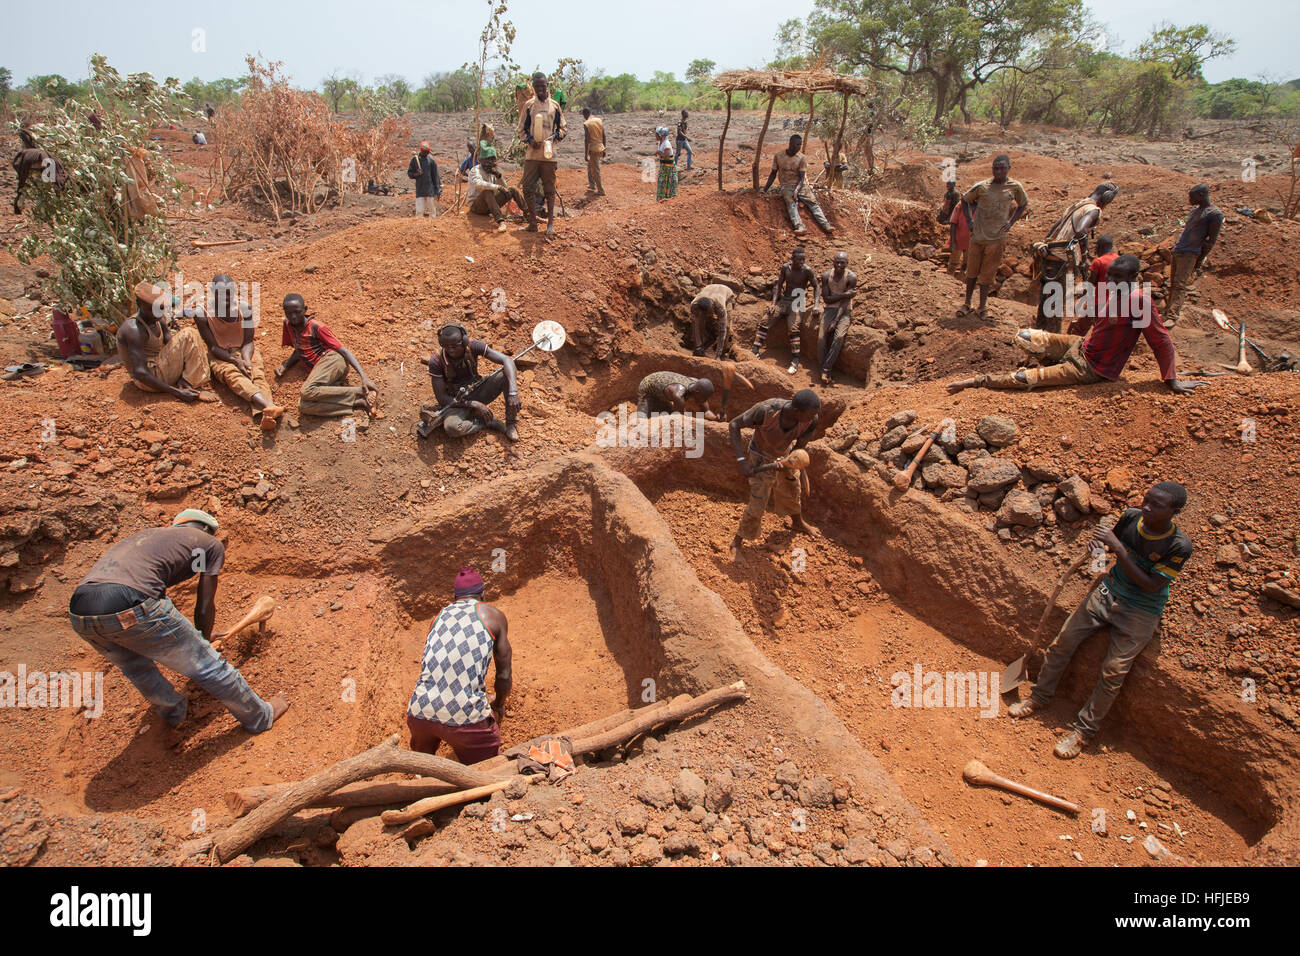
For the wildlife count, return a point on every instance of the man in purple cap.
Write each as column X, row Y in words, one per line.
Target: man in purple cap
column 450, row 701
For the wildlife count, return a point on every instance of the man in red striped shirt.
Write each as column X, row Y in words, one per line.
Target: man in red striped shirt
column 324, row 394
column 1127, row 313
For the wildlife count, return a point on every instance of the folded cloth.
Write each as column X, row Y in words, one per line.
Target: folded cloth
column 552, row 756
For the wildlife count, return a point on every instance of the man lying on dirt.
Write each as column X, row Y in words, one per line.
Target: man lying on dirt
column 663, row 392
column 450, row 701
column 460, row 395
column 488, row 191
column 1192, row 248
column 1065, row 250
column 779, row 426
column 838, row 288
column 158, row 359
column 1150, row 551
column 795, row 284
column 1127, row 312
column 998, row 203
column 710, row 320
column 323, row 394
column 122, row 610
column 791, row 167
column 233, row 355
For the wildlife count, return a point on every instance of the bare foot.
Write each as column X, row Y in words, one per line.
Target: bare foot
column 736, row 545
column 207, row 396
column 798, row 524
column 279, row 704
column 531, row 227
column 960, row 384
column 550, row 232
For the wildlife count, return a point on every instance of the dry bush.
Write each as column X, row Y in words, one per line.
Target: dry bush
column 282, row 146
column 377, row 150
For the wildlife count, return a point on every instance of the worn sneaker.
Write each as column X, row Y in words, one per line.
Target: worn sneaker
column 1023, row 708
column 1069, row 746
column 794, row 367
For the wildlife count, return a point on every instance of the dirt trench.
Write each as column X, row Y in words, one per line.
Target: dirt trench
column 900, row 580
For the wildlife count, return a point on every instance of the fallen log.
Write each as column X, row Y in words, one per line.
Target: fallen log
column 386, row 757
column 643, row 720
column 209, row 243
column 403, row 792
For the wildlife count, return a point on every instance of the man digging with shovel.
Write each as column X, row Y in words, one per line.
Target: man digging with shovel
column 1150, row 552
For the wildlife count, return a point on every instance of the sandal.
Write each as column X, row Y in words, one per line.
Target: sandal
column 964, row 311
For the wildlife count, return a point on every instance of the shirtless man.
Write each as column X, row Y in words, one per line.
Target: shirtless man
column 233, row 356
column 794, row 284
column 710, row 321
column 839, row 287
column 158, row 359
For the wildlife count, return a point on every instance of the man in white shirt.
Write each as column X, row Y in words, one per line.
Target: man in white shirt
column 488, row 191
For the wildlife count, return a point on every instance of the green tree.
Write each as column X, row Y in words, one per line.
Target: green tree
column 54, row 87
column 6, row 86
column 1184, row 50
column 953, row 45
column 700, row 70
column 99, row 249
column 335, row 87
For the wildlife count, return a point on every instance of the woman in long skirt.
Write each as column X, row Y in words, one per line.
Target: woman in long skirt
column 667, row 187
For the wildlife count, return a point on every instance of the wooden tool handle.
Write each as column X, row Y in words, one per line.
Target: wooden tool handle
column 1060, row 586
column 904, row 478
column 976, row 773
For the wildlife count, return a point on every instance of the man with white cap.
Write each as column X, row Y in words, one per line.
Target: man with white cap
column 121, row 609
column 158, row 359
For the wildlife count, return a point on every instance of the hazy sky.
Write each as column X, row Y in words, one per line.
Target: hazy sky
column 416, row 37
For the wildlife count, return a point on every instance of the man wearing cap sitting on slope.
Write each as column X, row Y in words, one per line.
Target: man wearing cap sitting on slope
column 158, row 359
column 450, row 701
column 488, row 191
column 122, row 610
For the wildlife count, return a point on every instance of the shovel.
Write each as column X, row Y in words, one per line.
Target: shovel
column 1017, row 671
column 1221, row 320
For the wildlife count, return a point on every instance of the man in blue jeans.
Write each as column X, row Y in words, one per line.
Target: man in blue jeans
column 683, row 143
column 121, row 609
column 1150, row 552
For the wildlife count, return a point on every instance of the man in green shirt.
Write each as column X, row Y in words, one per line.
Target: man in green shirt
column 1150, row 552
column 998, row 204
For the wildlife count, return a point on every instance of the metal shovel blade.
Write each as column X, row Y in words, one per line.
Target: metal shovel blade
column 1221, row 320
column 1017, row 673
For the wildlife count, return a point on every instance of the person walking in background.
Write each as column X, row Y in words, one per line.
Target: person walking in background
column 684, row 142
column 667, row 184
column 427, row 185
column 593, row 147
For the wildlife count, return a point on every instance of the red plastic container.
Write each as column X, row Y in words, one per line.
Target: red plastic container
column 66, row 334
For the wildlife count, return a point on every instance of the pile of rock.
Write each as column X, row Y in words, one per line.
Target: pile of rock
column 976, row 472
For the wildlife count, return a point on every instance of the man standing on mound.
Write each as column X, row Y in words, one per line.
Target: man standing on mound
column 450, row 701
column 779, row 426
column 541, row 127
column 1150, row 552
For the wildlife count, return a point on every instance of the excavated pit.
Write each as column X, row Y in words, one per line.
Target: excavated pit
column 901, row 580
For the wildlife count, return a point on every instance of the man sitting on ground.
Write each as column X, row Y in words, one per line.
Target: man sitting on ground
column 664, row 392
column 791, row 166
column 1127, row 313
column 233, row 355
column 324, row 394
column 122, row 610
column 1150, row 551
column 461, row 395
column 779, row 427
column 488, row 191
column 158, row 359
column 450, row 701
column 710, row 320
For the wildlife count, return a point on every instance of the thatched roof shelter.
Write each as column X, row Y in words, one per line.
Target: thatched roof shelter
column 779, row 84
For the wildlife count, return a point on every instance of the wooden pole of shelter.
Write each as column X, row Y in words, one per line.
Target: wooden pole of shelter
column 812, row 113
column 723, row 139
column 762, row 133
column 839, row 139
